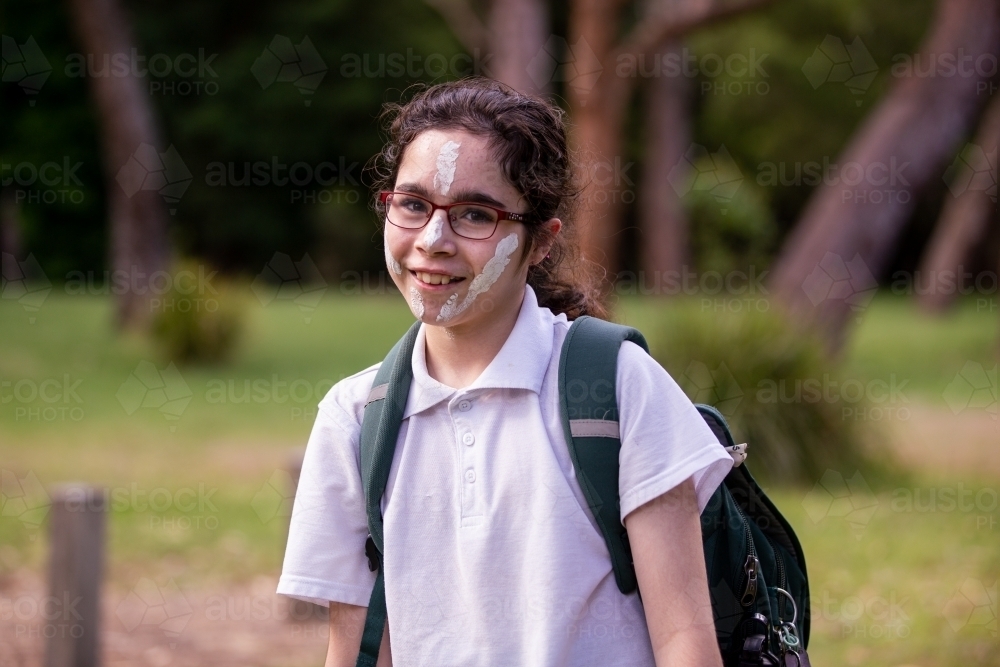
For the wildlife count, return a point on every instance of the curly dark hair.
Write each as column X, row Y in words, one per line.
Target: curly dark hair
column 527, row 137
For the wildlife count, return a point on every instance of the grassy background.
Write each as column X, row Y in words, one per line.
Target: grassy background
column 890, row 589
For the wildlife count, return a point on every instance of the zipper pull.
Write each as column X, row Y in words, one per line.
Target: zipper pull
column 750, row 592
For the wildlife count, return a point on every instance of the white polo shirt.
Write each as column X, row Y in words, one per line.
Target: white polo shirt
column 491, row 555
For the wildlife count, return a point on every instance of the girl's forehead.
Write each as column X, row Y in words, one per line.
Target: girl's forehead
column 468, row 154
column 467, row 149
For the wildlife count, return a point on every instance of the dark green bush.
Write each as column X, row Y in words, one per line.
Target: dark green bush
column 198, row 322
column 773, row 383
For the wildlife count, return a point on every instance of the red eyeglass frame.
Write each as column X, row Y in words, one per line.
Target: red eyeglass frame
column 384, row 195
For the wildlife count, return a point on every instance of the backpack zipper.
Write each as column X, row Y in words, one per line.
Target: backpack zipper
column 751, row 567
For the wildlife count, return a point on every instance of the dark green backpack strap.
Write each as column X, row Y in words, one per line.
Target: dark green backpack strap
column 588, row 369
column 379, row 430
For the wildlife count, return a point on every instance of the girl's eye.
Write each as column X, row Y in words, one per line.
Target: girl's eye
column 476, row 214
column 413, row 205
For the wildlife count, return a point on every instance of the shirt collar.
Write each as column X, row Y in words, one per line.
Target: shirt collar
column 520, row 364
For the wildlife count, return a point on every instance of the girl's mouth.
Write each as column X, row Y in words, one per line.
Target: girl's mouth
column 434, row 281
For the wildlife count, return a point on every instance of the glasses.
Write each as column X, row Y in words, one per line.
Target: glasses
column 468, row 219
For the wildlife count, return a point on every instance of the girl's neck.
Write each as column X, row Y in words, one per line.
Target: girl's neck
column 457, row 356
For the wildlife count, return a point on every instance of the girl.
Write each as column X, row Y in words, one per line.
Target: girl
column 491, row 555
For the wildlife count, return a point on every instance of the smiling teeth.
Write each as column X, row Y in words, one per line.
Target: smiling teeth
column 433, row 278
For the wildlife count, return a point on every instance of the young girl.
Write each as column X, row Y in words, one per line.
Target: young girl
column 491, row 556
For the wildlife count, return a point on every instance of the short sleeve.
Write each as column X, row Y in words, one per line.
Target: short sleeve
column 325, row 555
column 664, row 438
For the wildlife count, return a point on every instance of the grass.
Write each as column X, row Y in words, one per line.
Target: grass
column 232, row 448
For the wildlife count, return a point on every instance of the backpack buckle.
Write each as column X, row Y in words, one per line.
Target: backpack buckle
column 373, row 555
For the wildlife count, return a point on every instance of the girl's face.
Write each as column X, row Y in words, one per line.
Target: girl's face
column 450, row 280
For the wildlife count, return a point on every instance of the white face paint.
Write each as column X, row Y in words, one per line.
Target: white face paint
column 483, row 281
column 446, row 159
column 434, row 229
column 391, row 262
column 416, row 303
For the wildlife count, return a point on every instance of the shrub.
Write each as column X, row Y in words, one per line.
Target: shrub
column 767, row 378
column 201, row 326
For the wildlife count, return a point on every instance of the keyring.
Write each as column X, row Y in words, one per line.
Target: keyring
column 795, row 609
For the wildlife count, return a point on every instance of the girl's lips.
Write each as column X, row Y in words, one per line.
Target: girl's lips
column 430, row 287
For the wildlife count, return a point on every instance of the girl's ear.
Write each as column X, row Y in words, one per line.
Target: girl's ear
column 550, row 228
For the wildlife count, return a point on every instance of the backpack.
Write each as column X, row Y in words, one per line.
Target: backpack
column 755, row 565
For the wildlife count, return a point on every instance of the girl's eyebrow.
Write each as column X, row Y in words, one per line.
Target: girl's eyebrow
column 460, row 196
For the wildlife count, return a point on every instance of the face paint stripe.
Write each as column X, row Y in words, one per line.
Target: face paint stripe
column 416, row 303
column 446, row 159
column 434, row 229
column 391, row 262
column 482, row 282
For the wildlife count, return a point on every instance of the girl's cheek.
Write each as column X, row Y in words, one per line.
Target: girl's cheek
column 391, row 263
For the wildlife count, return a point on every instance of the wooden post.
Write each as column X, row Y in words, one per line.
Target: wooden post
column 299, row 611
column 76, row 569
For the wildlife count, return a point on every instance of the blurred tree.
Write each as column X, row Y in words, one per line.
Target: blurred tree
column 513, row 38
column 599, row 103
column 667, row 131
column 131, row 144
column 919, row 123
column 966, row 216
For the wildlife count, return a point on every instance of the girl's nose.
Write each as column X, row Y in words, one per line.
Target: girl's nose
column 435, row 236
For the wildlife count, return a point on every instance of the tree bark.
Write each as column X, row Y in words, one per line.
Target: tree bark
column 513, row 40
column 662, row 220
column 847, row 232
column 10, row 224
column 138, row 224
column 966, row 215
column 518, row 30
column 599, row 96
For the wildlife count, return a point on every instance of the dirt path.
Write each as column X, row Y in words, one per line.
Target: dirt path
column 157, row 625
column 936, row 441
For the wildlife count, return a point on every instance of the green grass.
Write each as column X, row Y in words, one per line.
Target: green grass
column 235, row 451
column 892, row 337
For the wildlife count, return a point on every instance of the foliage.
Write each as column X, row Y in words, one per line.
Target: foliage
column 240, row 122
column 191, row 328
column 772, row 381
column 732, row 235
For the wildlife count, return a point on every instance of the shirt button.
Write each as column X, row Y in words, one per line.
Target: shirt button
column 468, row 439
column 470, row 475
column 464, row 406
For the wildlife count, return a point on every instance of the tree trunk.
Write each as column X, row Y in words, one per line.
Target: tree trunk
column 599, row 95
column 664, row 225
column 518, row 30
column 966, row 216
column 598, row 98
column 847, row 232
column 138, row 224
column 10, row 224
